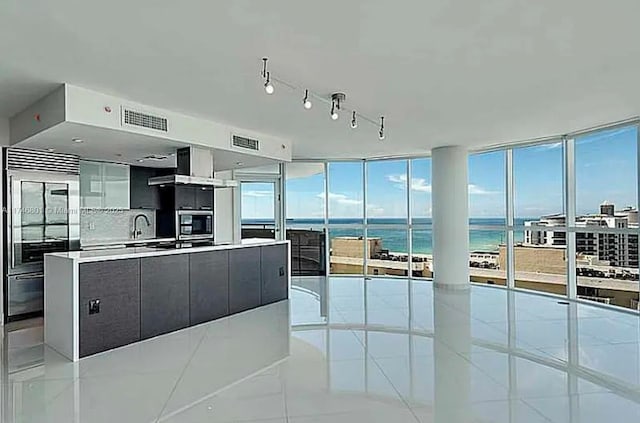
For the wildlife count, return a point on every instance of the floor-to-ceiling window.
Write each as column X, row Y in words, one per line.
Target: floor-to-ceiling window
column 305, row 210
column 345, row 204
column 540, row 237
column 487, row 218
column 258, row 209
column 260, row 205
column 606, row 221
column 420, row 217
column 364, row 213
column 557, row 216
column 387, row 217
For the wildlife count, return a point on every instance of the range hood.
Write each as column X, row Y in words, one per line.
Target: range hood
column 195, row 167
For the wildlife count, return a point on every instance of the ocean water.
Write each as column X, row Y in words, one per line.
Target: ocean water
column 395, row 239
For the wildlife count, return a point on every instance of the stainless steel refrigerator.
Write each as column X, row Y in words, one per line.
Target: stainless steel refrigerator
column 43, row 210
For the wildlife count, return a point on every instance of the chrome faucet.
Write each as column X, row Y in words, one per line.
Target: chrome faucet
column 137, row 232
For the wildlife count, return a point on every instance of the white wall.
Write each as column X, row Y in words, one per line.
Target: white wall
column 50, row 111
column 4, row 131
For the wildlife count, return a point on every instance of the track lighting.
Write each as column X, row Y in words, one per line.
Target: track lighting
column 306, row 102
column 268, row 86
column 336, row 100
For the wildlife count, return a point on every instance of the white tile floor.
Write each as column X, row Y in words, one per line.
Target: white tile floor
column 348, row 350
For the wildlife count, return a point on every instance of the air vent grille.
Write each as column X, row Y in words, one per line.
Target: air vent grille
column 247, row 143
column 144, row 120
column 156, row 157
column 24, row 159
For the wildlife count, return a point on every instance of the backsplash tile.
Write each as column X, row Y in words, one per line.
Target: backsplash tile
column 97, row 225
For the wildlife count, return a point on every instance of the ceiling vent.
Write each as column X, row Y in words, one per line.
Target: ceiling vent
column 143, row 120
column 246, row 143
column 43, row 161
column 156, row 157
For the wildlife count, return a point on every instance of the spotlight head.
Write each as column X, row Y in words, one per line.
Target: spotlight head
column 336, row 100
column 381, row 131
column 334, row 111
column 269, row 88
column 305, row 101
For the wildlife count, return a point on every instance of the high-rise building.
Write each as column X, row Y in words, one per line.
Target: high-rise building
column 618, row 249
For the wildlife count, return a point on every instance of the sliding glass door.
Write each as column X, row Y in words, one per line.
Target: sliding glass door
column 259, row 205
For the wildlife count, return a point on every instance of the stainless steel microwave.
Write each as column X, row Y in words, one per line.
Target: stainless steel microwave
column 194, row 224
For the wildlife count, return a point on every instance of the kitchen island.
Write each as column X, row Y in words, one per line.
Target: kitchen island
column 104, row 299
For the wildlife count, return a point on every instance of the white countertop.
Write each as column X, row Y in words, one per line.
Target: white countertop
column 138, row 252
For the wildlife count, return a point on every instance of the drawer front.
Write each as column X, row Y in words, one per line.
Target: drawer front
column 26, row 294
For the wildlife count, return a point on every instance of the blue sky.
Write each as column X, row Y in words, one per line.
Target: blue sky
column 606, row 169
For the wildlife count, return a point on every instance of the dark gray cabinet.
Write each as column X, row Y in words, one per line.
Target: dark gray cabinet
column 185, row 197
column 204, row 198
column 164, row 294
column 193, row 197
column 109, row 305
column 123, row 301
column 274, row 270
column 208, row 285
column 244, row 279
column 142, row 195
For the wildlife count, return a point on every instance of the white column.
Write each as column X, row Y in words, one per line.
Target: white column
column 450, row 213
column 452, row 342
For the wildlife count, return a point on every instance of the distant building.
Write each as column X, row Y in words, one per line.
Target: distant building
column 537, row 267
column 347, row 254
column 620, row 250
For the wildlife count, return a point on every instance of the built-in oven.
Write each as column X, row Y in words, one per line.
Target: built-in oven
column 194, row 224
column 43, row 216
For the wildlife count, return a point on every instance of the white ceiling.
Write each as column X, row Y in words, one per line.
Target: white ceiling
column 443, row 72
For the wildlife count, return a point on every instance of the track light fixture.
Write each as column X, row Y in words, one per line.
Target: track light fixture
column 306, row 102
column 334, row 112
column 268, row 86
column 337, row 99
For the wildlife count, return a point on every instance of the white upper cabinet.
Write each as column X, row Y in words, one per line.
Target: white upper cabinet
column 104, row 185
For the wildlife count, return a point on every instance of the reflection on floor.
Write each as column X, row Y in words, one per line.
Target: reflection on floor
column 349, row 350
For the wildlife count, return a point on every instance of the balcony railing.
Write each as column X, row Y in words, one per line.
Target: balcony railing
column 308, row 247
